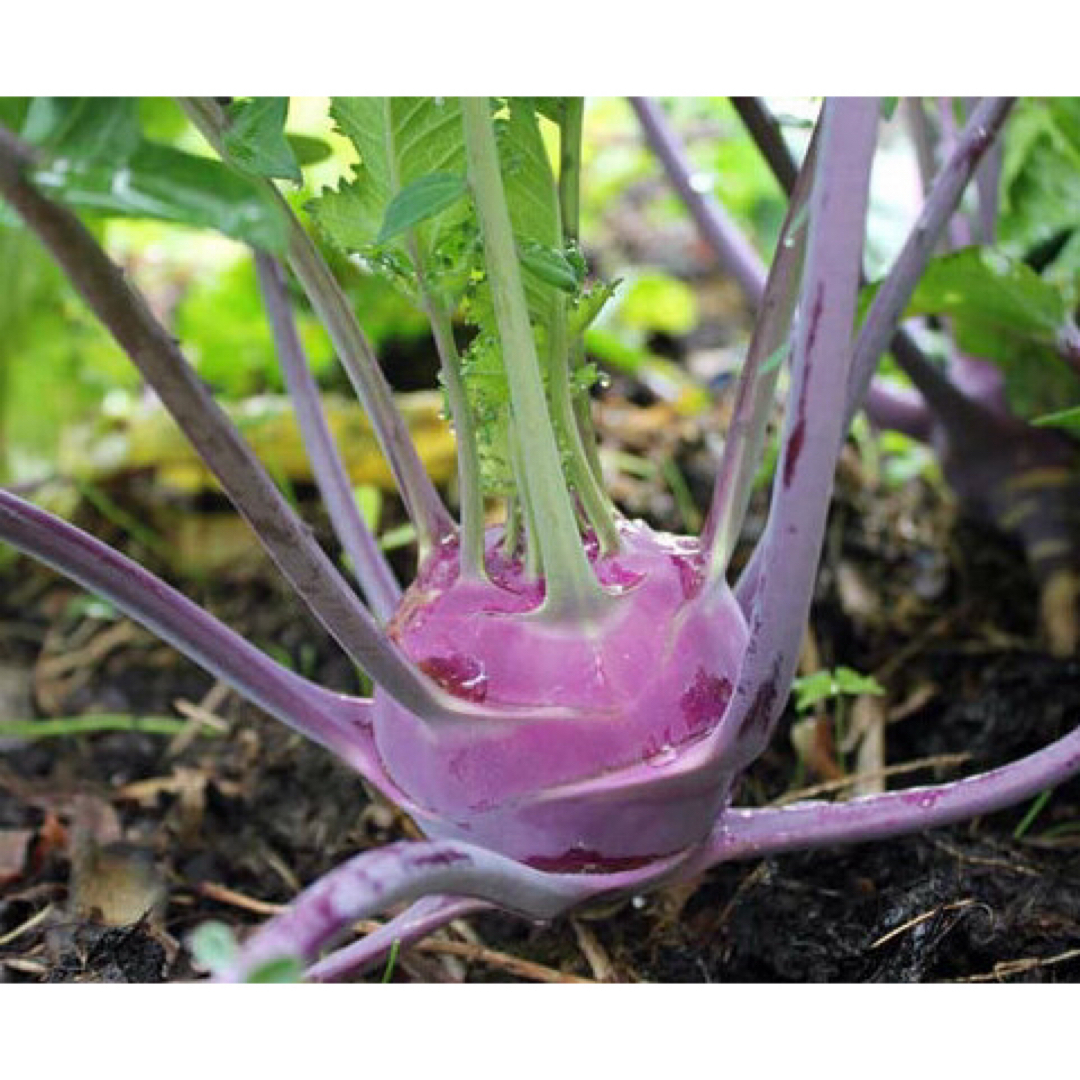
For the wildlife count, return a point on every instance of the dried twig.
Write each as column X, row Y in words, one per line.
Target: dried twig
column 1004, row 969
column 600, row 964
column 957, row 905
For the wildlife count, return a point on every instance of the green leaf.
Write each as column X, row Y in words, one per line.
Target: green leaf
column 255, row 141
column 285, row 970
column 1069, row 419
column 588, row 306
column 657, row 301
column 399, row 141
column 13, row 112
column 850, row 681
column 990, row 290
column 170, row 185
column 85, row 129
column 531, row 193
column 309, row 150
column 1041, row 177
column 1003, row 311
column 811, row 690
column 214, row 945
column 553, row 108
column 551, row 267
column 422, row 199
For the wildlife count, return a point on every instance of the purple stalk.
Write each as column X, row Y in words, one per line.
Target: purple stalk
column 723, row 235
column 376, row 880
column 756, row 387
column 895, row 408
column 959, row 228
column 949, row 404
column 944, row 196
column 934, row 387
column 930, row 383
column 988, row 187
column 414, row 923
column 814, row 427
column 369, row 564
column 341, row 724
column 753, row 833
column 923, row 141
column 1069, row 345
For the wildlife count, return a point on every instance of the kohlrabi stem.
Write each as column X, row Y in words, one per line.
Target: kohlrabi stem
column 941, row 202
column 941, row 396
column 532, row 561
column 594, row 500
column 896, row 408
column 414, row 923
column 426, row 510
column 988, row 186
column 471, row 551
column 331, row 720
column 570, row 139
column 572, row 415
column 368, row 561
column 757, row 833
column 814, row 428
column 375, row 880
column 571, row 588
column 449, row 872
column 958, row 226
column 922, row 139
column 471, row 548
column 765, row 132
column 512, row 527
column 723, row 235
column 757, row 383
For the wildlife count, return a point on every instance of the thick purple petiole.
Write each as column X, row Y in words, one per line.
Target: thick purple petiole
column 369, row 564
column 340, row 723
column 376, row 880
column 414, row 923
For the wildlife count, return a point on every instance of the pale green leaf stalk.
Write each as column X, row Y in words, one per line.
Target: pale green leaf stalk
column 571, row 133
column 572, row 589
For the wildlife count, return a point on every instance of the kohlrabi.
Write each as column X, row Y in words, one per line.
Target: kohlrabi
column 564, row 699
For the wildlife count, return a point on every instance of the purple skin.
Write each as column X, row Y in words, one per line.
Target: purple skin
column 636, row 699
column 551, row 763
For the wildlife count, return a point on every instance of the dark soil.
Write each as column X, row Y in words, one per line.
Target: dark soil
column 942, row 612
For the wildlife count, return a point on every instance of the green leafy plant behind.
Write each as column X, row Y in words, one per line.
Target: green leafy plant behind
column 1041, row 188
column 1000, row 309
column 95, row 156
column 256, row 142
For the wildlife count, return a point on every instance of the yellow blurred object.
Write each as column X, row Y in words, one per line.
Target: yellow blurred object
column 144, row 438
